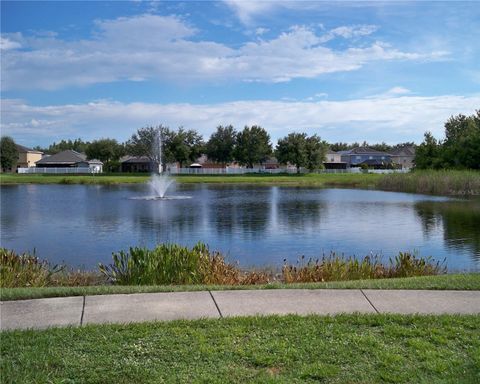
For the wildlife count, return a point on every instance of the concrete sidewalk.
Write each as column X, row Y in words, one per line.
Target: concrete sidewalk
column 77, row 311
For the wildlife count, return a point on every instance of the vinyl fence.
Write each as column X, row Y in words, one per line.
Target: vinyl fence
column 59, row 171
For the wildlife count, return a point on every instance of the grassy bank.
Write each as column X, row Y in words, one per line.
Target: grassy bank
column 463, row 282
column 352, row 180
column 427, row 182
column 340, row 349
column 431, row 182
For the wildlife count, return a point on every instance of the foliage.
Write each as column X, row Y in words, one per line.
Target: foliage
column 146, row 142
column 253, row 146
column 8, row 153
column 27, row 270
column 293, row 149
column 77, row 145
column 460, row 149
column 174, row 264
column 182, row 146
column 108, row 151
column 335, row 267
column 316, row 152
column 221, row 145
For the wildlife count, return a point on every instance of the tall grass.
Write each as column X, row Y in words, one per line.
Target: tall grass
column 443, row 182
column 174, row 264
column 334, row 267
column 27, row 270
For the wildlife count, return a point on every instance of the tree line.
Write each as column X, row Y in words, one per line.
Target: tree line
column 460, row 149
column 252, row 145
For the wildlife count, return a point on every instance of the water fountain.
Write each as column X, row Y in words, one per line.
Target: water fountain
column 159, row 185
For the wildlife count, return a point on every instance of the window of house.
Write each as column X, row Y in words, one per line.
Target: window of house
column 359, row 157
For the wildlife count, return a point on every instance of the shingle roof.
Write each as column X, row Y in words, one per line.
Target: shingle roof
column 136, row 159
column 21, row 148
column 65, row 157
column 364, row 151
column 403, row 151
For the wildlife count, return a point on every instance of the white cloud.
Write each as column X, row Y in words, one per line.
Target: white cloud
column 390, row 119
column 161, row 47
column 6, row 44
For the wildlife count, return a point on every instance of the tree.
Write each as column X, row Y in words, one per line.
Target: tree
column 221, row 145
column 148, row 142
column 77, row 145
column 253, row 146
column 302, row 151
column 8, row 154
column 108, row 151
column 428, row 154
column 316, row 152
column 183, row 146
column 293, row 149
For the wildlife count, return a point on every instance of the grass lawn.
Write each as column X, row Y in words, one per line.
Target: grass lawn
column 468, row 281
column 362, row 180
column 289, row 349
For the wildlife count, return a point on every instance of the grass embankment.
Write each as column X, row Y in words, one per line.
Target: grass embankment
column 340, row 349
column 446, row 182
column 347, row 179
column 462, row 282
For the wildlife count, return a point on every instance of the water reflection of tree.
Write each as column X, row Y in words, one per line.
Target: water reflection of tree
column 461, row 223
column 299, row 214
column 246, row 214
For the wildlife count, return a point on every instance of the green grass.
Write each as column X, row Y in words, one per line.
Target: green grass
column 468, row 281
column 445, row 182
column 289, row 349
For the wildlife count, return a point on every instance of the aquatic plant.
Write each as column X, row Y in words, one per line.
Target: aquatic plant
column 27, row 270
column 175, row 264
column 335, row 267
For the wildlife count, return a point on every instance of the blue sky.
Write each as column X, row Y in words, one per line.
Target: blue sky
column 348, row 71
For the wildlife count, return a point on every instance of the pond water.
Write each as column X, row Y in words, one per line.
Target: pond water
column 257, row 226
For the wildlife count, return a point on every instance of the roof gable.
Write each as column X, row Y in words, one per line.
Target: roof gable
column 65, row 157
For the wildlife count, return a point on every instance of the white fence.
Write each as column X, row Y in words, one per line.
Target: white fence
column 70, row 170
column 242, row 171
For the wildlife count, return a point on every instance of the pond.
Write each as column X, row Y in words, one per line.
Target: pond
column 82, row 225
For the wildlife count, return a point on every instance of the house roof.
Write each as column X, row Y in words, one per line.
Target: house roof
column 403, row 151
column 23, row 149
column 65, row 157
column 363, row 151
column 135, row 159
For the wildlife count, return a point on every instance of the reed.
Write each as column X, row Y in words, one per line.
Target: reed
column 27, row 270
column 443, row 182
column 335, row 267
column 174, row 264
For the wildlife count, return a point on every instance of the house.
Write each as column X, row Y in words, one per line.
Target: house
column 404, row 156
column 333, row 160
column 27, row 157
column 366, row 156
column 70, row 159
column 137, row 164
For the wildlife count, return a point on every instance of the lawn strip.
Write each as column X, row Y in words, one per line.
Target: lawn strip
column 344, row 348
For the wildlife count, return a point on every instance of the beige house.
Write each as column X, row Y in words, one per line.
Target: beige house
column 27, row 157
column 404, row 156
column 333, row 160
